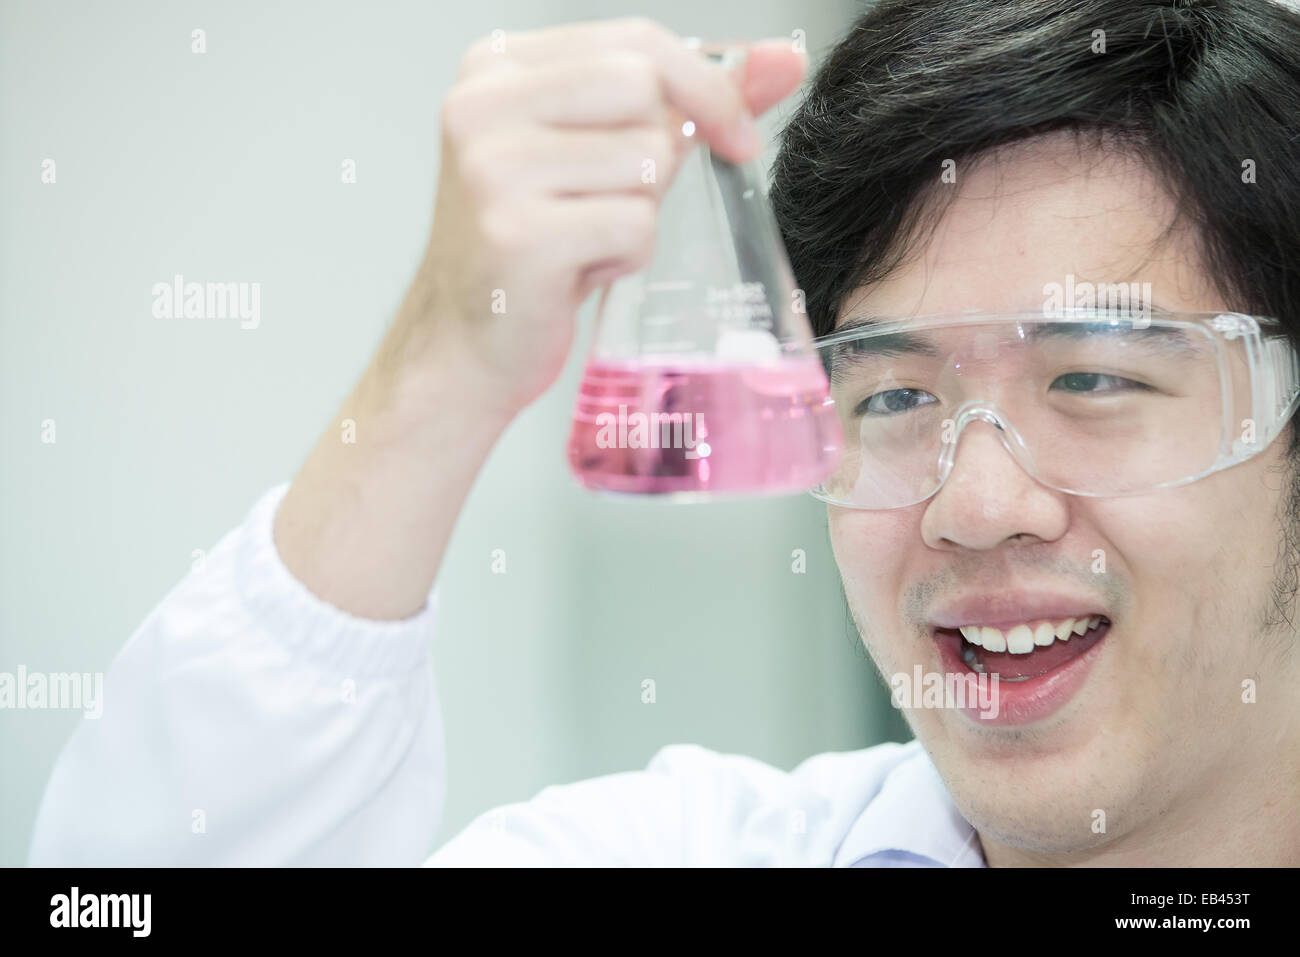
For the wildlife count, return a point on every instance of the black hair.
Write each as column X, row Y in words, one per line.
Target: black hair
column 1193, row 87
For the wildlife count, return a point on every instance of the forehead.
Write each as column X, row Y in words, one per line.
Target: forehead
column 1044, row 211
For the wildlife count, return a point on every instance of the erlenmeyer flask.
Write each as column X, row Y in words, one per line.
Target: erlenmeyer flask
column 702, row 380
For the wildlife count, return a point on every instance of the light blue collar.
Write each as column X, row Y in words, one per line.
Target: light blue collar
column 911, row 822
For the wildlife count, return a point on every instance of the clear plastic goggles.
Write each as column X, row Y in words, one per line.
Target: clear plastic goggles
column 1086, row 403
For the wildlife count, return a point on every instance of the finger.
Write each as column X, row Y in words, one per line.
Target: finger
column 611, row 88
column 605, row 229
column 703, row 91
column 570, row 161
column 773, row 70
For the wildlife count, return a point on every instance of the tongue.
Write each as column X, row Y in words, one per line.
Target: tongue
column 1039, row 661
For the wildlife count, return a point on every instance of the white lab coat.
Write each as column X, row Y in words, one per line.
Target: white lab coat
column 247, row 722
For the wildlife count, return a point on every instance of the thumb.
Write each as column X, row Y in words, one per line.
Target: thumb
column 772, row 70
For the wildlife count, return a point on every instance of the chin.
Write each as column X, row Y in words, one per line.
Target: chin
column 1058, row 803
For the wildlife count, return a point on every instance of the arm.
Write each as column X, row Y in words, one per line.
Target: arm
column 247, row 722
column 279, row 706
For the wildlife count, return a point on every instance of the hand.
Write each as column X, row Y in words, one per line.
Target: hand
column 541, row 198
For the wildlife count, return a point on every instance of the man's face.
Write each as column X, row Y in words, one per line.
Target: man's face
column 1152, row 729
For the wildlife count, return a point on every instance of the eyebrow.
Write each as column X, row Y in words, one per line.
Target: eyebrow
column 1166, row 339
column 893, row 343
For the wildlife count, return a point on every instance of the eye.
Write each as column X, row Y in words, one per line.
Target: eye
column 1081, row 383
column 894, row 402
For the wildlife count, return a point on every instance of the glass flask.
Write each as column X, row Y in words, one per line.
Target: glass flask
column 702, row 380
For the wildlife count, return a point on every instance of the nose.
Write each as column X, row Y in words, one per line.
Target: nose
column 988, row 499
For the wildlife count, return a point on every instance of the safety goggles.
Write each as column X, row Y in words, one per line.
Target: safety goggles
column 1086, row 402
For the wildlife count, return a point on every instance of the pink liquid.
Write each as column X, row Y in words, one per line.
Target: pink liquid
column 738, row 429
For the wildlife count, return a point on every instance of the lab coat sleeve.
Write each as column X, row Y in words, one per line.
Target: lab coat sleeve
column 247, row 722
column 690, row 807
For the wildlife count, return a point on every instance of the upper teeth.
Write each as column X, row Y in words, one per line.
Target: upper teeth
column 1021, row 639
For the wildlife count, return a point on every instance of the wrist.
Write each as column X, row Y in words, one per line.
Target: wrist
column 425, row 366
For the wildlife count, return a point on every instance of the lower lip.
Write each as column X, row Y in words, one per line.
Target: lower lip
column 1023, row 702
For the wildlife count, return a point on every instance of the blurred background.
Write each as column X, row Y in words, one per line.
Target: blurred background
column 225, row 166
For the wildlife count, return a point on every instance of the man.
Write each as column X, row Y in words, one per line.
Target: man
column 1066, row 505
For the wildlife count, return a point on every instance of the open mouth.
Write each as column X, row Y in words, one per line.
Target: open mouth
column 1028, row 650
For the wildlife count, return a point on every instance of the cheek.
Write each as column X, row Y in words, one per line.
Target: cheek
column 1198, row 561
column 1195, row 542
column 872, row 551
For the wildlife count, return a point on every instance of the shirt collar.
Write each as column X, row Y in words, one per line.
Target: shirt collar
column 912, row 816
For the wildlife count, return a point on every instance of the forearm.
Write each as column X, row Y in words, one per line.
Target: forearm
column 366, row 522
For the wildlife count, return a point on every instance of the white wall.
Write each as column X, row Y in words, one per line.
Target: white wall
column 225, row 166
